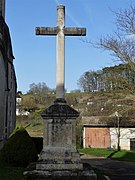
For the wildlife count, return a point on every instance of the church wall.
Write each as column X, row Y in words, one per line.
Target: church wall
column 2, row 100
column 7, row 84
column 11, row 99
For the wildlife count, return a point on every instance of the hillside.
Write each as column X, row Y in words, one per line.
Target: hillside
column 88, row 104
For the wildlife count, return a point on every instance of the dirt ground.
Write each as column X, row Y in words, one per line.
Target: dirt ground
column 115, row 170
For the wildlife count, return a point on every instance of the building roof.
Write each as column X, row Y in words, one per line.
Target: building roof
column 18, row 96
column 106, row 121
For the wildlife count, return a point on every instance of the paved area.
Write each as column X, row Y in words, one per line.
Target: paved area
column 116, row 170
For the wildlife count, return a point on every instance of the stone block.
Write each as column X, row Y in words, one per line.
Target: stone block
column 86, row 174
column 59, row 159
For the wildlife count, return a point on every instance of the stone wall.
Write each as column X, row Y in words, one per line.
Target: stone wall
column 7, row 84
column 11, row 99
column 2, row 99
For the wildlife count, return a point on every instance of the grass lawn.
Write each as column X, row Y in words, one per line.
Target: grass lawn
column 7, row 172
column 99, row 152
column 122, row 155
column 125, row 156
column 16, row 173
column 11, row 173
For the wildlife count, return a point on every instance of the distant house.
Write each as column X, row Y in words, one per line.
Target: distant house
column 18, row 104
column 19, row 110
column 8, row 84
column 101, row 132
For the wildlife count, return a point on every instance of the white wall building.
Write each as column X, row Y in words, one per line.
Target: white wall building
column 127, row 138
column 19, row 110
column 99, row 134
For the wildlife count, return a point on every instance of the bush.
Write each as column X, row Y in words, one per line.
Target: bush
column 19, row 150
column 38, row 141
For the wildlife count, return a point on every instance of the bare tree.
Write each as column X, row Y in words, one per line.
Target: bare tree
column 122, row 43
column 126, row 20
column 90, row 81
column 122, row 47
column 115, row 78
column 117, row 129
column 40, row 88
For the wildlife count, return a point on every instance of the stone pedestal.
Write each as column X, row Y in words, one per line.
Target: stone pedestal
column 59, row 158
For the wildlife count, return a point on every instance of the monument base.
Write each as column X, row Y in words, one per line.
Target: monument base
column 86, row 174
column 59, row 159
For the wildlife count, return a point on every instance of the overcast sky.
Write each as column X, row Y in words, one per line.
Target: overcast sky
column 35, row 56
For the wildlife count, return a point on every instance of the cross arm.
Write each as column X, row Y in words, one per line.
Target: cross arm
column 54, row 31
column 46, row 30
column 75, row 31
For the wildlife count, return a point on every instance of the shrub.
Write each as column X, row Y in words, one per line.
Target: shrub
column 38, row 141
column 19, row 150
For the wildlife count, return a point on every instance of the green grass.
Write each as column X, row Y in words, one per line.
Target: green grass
column 11, row 173
column 122, row 155
column 16, row 173
column 125, row 156
column 99, row 152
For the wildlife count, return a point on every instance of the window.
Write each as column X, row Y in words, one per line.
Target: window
column 132, row 144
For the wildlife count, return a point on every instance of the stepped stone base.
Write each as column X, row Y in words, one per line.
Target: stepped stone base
column 59, row 159
column 58, row 167
column 86, row 174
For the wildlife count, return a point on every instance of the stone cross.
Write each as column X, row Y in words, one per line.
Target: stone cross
column 59, row 158
column 2, row 8
column 60, row 31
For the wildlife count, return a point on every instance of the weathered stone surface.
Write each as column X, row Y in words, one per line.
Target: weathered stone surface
column 59, row 159
column 44, row 165
column 47, row 30
column 86, row 174
column 42, row 175
column 74, row 31
column 60, row 31
column 51, row 31
column 7, row 83
column 59, row 109
column 59, row 145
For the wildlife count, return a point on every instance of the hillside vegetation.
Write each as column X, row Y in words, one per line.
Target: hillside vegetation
column 88, row 104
